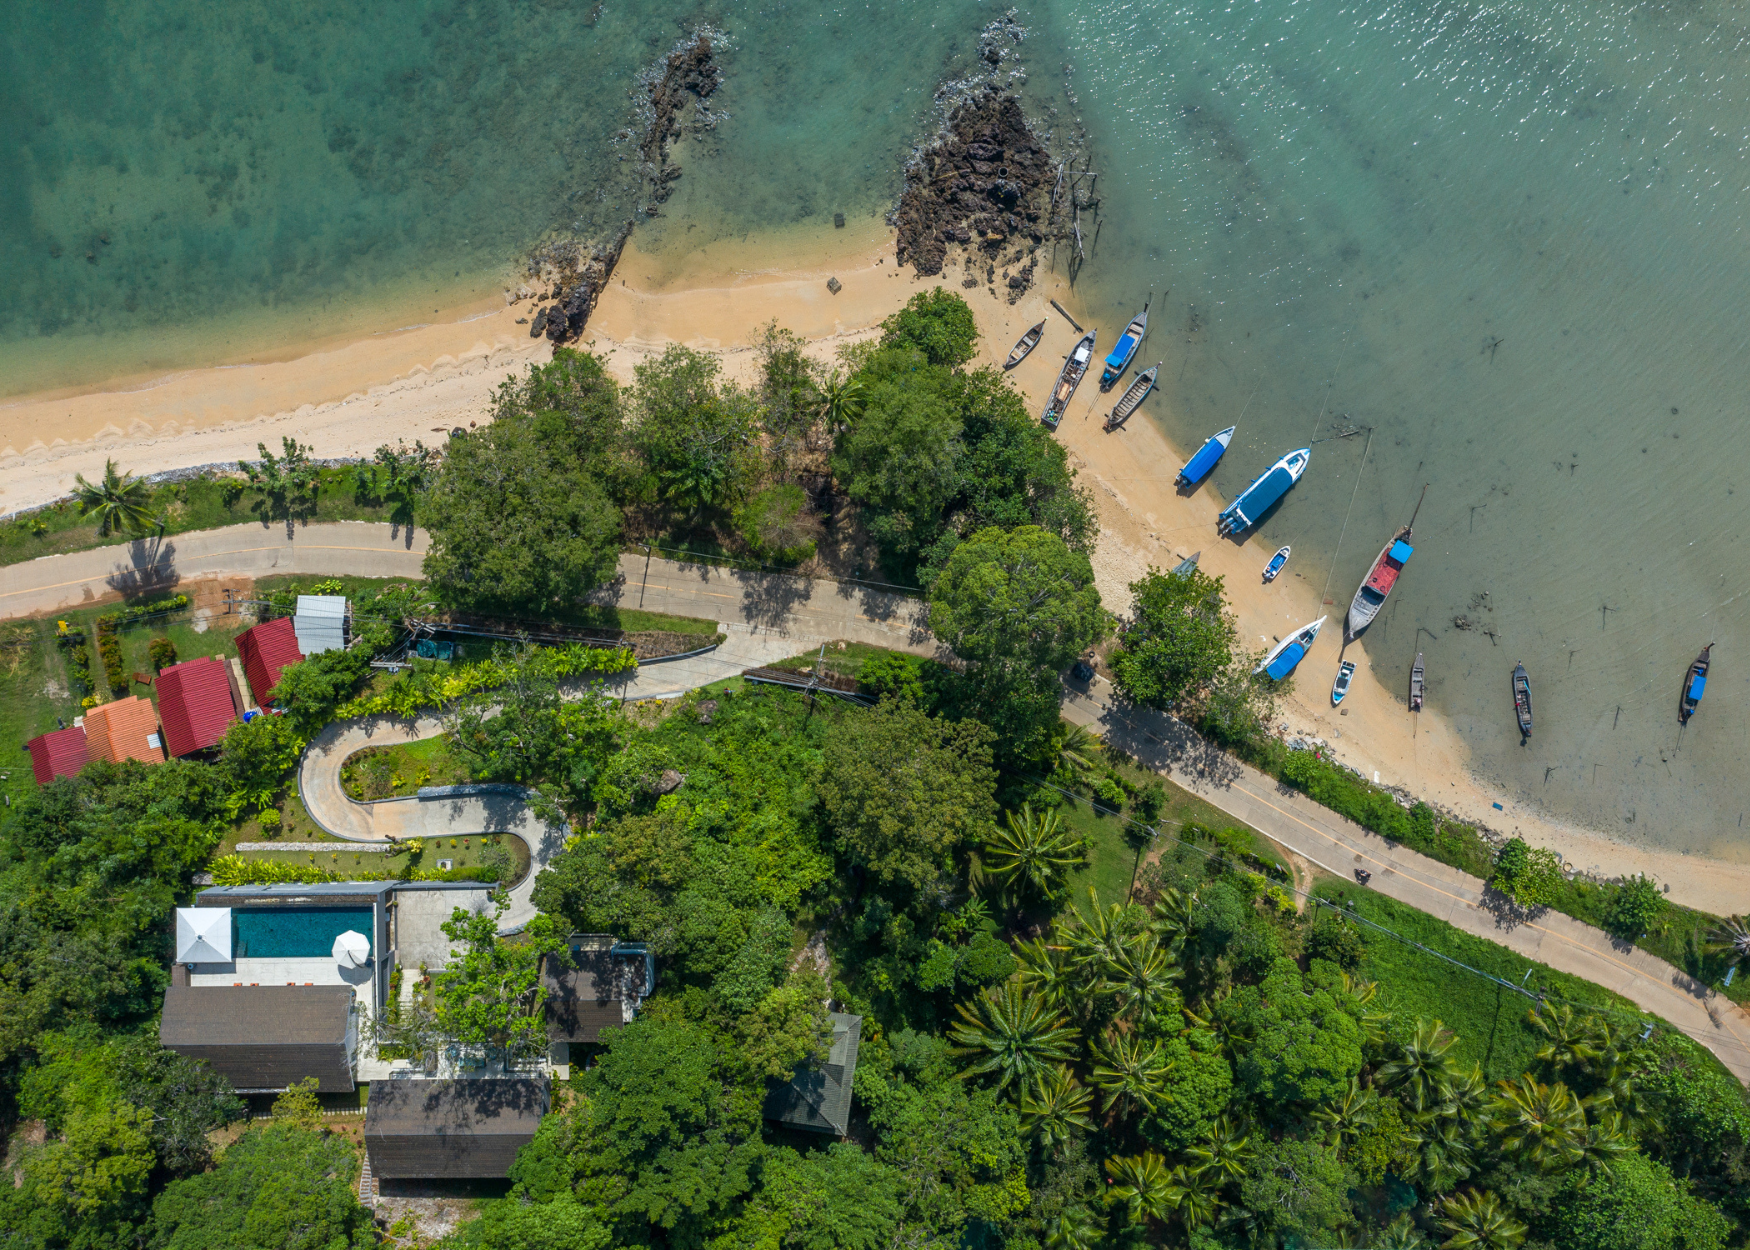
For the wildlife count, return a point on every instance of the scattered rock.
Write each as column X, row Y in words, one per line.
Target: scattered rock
column 707, row 708
column 838, row 221
column 670, row 781
column 834, row 285
column 540, row 324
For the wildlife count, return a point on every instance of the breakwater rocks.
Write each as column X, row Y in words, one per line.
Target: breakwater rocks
column 985, row 184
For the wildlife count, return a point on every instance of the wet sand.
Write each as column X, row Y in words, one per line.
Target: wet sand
column 346, row 399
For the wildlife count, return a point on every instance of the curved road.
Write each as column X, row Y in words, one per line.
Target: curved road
column 770, row 616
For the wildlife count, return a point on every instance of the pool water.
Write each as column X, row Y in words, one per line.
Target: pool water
column 295, row 933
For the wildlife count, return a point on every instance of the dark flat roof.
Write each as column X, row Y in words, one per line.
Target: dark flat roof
column 255, row 1015
column 452, row 1129
column 587, row 998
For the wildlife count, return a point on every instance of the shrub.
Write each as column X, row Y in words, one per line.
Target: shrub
column 1111, row 793
column 777, row 526
column 1529, row 875
column 161, row 653
column 937, row 323
column 1338, row 941
column 110, row 648
column 1150, row 800
column 1635, row 909
column 269, row 820
column 235, row 870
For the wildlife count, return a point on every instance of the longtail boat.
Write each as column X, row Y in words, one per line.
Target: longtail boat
column 1416, row 683
column 1197, row 467
column 1075, row 367
column 1128, row 342
column 1694, row 685
column 1026, row 343
column 1265, row 490
column 1370, row 595
column 1276, row 562
column 1290, row 651
column 1522, row 698
column 1132, row 398
column 1188, row 565
column 1340, row 687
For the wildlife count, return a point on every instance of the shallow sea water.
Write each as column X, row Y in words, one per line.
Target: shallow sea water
column 1506, row 242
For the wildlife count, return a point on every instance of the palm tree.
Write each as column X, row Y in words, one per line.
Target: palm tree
column 1731, row 938
column 1141, row 979
column 1045, row 971
column 1467, row 1097
column 1477, row 1221
column 1175, row 915
column 1075, row 751
column 1016, row 1033
column 1352, row 1112
column 1542, row 1124
column 1099, row 938
column 1224, row 1152
column 1199, row 1195
column 1145, row 1183
column 1131, row 1070
column 1055, row 1107
column 1604, row 1142
column 119, row 502
column 1074, row 1229
column 1572, row 1042
column 1401, row 1234
column 1446, row 1149
column 1423, row 1068
column 1032, row 852
column 841, row 399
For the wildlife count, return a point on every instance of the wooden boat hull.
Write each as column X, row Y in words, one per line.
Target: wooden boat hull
column 1340, row 687
column 1522, row 699
column 1416, row 684
column 1381, row 579
column 1188, row 565
column 1694, row 686
column 1287, row 654
column 1023, row 345
column 1125, row 349
column 1132, row 398
column 1276, row 564
column 1075, row 368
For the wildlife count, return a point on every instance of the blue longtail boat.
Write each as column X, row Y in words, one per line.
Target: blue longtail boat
column 1128, row 342
column 1694, row 686
column 1197, row 467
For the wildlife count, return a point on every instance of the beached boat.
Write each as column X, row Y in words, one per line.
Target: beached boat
column 1276, row 562
column 1416, row 684
column 1370, row 595
column 1290, row 651
column 1188, row 565
column 1128, row 342
column 1265, row 490
column 1026, row 343
column 1694, row 684
column 1132, row 398
column 1075, row 368
column 1197, row 467
column 1340, row 687
column 1522, row 699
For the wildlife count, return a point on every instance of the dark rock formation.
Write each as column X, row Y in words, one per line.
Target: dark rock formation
column 581, row 287
column 985, row 183
column 690, row 73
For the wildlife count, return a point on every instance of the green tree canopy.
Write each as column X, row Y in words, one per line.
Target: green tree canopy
column 936, row 322
column 904, row 791
column 1302, row 1039
column 490, row 993
column 1020, row 597
column 1178, row 640
column 899, row 457
column 695, row 434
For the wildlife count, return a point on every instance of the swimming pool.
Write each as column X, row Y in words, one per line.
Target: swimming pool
column 295, row 932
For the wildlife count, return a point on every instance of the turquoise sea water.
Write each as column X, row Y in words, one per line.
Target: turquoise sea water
column 1508, row 240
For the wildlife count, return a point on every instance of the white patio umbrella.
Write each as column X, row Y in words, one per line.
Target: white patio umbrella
column 203, row 935
column 352, row 949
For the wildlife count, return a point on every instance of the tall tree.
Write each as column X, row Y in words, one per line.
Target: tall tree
column 1031, row 852
column 1020, row 597
column 1013, row 1034
column 490, row 993
column 120, row 502
column 1477, row 1220
column 288, row 484
column 898, row 456
column 696, row 435
column 1178, row 640
column 936, row 322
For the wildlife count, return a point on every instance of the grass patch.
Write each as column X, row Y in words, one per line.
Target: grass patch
column 398, row 772
column 843, row 659
column 202, row 504
column 466, row 855
column 34, row 690
column 1489, row 1019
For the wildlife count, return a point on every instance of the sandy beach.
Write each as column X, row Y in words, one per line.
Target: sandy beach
column 417, row 382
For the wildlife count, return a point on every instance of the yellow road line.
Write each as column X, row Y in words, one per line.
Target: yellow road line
column 240, row 551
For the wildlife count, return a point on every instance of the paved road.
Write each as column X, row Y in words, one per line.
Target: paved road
column 1339, row 846
column 769, row 616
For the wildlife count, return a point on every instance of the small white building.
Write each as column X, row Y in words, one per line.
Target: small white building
column 320, row 623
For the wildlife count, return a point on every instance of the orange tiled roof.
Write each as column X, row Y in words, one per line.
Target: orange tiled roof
column 118, row 731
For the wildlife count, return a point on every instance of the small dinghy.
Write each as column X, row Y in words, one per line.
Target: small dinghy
column 1416, row 682
column 1522, row 699
column 1694, row 685
column 1258, row 498
column 1128, row 342
column 1026, row 343
column 1288, row 653
column 1340, row 687
column 1132, row 398
column 1276, row 562
column 1075, row 368
column 1188, row 565
column 1197, row 467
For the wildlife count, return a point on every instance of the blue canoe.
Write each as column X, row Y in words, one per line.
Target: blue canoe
column 1265, row 490
column 1128, row 342
column 1288, row 653
column 1694, row 686
column 1197, row 467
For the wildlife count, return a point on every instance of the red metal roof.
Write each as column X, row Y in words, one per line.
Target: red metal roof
column 265, row 650
column 58, row 753
column 195, row 704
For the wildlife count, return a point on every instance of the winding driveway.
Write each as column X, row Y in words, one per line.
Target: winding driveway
column 772, row 616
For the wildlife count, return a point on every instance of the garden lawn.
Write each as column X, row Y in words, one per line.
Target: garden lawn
column 197, row 505
column 34, row 690
column 399, row 771
column 1490, row 1020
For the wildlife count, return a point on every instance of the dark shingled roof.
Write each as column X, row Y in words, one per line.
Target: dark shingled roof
column 818, row 1098
column 262, row 1037
column 584, row 1000
column 451, row 1130
column 58, row 753
column 266, row 650
column 195, row 704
